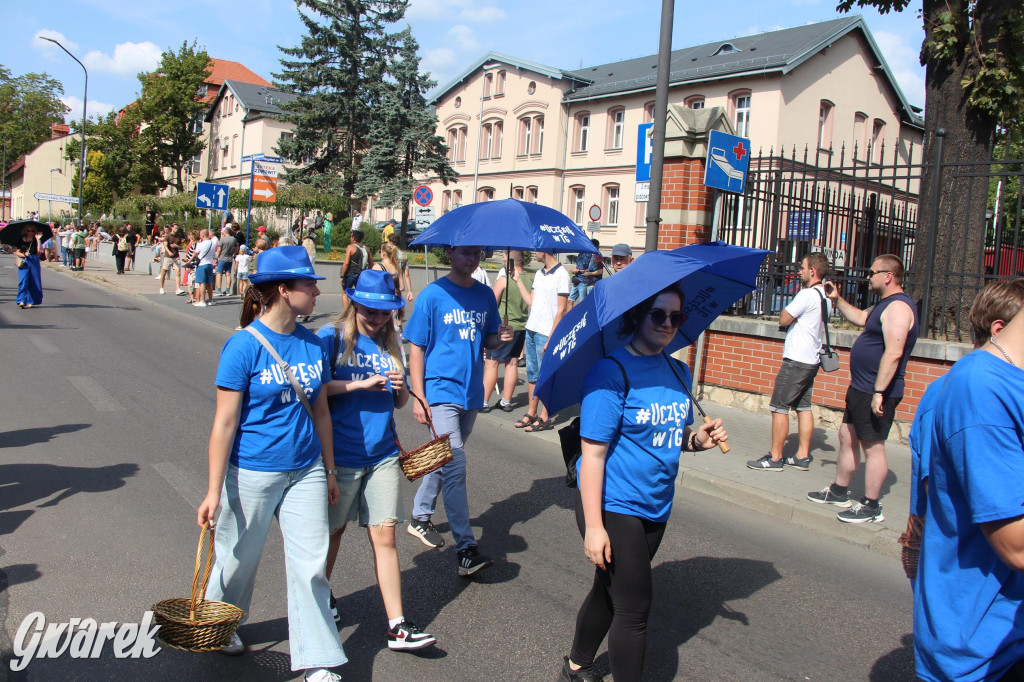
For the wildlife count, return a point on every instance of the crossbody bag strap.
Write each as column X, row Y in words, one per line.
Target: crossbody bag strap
column 824, row 317
column 299, row 393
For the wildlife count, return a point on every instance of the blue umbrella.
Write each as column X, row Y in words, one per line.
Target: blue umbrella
column 712, row 276
column 507, row 224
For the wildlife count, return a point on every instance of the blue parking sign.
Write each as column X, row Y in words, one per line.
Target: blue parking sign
column 644, row 152
column 726, row 165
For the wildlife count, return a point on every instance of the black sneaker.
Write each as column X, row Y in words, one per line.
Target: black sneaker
column 826, row 496
column 425, row 531
column 861, row 513
column 407, row 637
column 486, row 409
column 334, row 609
column 581, row 675
column 801, row 463
column 766, row 463
column 505, row 407
column 471, row 560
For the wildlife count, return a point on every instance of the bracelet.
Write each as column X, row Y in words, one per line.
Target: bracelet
column 693, row 442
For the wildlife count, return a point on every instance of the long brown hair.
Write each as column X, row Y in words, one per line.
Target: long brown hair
column 386, row 339
column 259, row 297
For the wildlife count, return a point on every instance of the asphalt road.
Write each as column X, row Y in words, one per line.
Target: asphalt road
column 106, row 408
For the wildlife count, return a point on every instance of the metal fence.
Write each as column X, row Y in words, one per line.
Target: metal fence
column 856, row 205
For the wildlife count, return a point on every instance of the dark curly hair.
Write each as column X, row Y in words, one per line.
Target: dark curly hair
column 635, row 315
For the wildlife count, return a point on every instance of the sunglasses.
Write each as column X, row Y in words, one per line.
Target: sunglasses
column 872, row 273
column 658, row 317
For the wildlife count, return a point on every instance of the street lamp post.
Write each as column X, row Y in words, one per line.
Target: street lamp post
column 50, row 202
column 85, row 99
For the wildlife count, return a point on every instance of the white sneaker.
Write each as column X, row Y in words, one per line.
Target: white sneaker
column 235, row 648
column 179, row 292
column 161, row 291
column 200, row 304
column 323, row 675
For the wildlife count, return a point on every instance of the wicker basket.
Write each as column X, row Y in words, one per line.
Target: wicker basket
column 427, row 457
column 911, row 545
column 197, row 624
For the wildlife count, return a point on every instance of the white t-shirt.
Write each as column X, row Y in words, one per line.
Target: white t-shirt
column 803, row 338
column 207, row 252
column 243, row 263
column 547, row 287
column 480, row 275
column 65, row 237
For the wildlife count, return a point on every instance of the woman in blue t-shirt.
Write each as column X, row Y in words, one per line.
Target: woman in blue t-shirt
column 272, row 456
column 367, row 384
column 632, row 433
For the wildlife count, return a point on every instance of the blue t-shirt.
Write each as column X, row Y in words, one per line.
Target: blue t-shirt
column 362, row 419
column 275, row 433
column 920, row 445
column 644, row 429
column 967, row 606
column 450, row 323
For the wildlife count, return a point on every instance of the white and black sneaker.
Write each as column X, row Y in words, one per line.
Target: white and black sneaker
column 334, row 609
column 471, row 560
column 425, row 531
column 766, row 463
column 407, row 637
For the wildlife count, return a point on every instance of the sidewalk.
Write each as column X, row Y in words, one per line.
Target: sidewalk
column 726, row 476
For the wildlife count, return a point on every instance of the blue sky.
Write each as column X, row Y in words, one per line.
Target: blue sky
column 118, row 38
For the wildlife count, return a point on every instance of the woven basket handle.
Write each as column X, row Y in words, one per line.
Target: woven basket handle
column 199, row 591
column 430, row 423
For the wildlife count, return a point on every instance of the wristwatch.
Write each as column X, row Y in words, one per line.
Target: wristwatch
column 330, row 472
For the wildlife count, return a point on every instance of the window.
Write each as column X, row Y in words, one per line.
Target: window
column 525, row 135
column 531, row 88
column 213, row 157
column 611, row 204
column 531, row 195
column 694, row 102
column 538, row 123
column 649, row 112
column 485, row 141
column 578, row 197
column 582, row 137
column 616, row 124
column 488, row 83
column 741, row 113
column 825, row 124
column 498, row 130
column 458, row 102
column 517, row 193
column 860, row 143
column 456, row 139
column 499, row 84
column 224, row 146
column 877, row 140
column 197, row 123
column 485, row 194
column 194, row 166
column 456, row 198
column 446, row 201
column 234, row 151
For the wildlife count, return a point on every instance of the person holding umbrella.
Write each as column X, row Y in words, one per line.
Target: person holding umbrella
column 635, row 419
column 30, row 281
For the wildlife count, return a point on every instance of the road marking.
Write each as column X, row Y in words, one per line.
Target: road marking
column 43, row 344
column 182, row 482
column 96, row 394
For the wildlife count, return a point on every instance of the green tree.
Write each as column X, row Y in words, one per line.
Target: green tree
column 97, row 193
column 29, row 104
column 973, row 53
column 171, row 112
column 403, row 139
column 337, row 72
column 128, row 162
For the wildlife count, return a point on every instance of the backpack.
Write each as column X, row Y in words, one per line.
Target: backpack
column 122, row 243
column 569, row 437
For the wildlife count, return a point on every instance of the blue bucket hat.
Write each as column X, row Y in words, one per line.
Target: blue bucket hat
column 375, row 289
column 283, row 263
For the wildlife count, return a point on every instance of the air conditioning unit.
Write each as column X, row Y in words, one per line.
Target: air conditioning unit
column 224, row 145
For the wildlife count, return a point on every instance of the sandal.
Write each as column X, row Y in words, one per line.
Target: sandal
column 538, row 426
column 526, row 420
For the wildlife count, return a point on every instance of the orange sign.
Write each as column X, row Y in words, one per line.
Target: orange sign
column 264, row 183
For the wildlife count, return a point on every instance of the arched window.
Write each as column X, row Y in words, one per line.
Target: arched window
column 517, row 193
column 825, row 116
column 531, row 194
column 456, row 198
column 577, row 203
column 488, row 84
column 616, row 127
column 860, row 132
column 538, row 124
column 485, row 141
column 877, row 140
column 456, row 139
column 649, row 112
column 485, row 194
column 611, row 204
column 497, row 129
column 581, row 134
column 499, row 84
column 446, row 201
column 739, row 103
column 531, row 134
column 694, row 102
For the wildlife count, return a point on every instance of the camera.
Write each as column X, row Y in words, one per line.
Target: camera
column 829, row 287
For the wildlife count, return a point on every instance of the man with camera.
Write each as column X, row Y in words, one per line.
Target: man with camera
column 803, row 322
column 878, row 362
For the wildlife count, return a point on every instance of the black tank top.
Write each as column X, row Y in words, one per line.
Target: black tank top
column 867, row 350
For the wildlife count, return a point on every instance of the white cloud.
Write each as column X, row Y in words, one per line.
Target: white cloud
column 905, row 63
column 94, row 109
column 461, row 10
column 49, row 48
column 463, row 38
column 128, row 59
column 483, row 15
column 438, row 59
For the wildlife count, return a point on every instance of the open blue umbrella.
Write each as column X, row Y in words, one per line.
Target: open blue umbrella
column 712, row 276
column 507, row 224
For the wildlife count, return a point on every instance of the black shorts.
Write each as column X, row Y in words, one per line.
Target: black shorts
column 793, row 385
column 865, row 424
column 351, row 280
column 79, row 252
column 508, row 351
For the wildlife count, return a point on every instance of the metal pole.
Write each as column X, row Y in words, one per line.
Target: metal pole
column 660, row 114
column 85, row 99
column 716, row 216
column 479, row 131
column 3, row 187
column 940, row 136
column 248, row 212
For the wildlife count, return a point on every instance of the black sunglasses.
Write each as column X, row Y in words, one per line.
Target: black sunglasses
column 872, row 273
column 658, row 317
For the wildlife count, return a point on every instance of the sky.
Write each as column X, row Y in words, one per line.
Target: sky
column 116, row 39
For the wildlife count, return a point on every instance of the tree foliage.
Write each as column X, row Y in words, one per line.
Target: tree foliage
column 29, row 105
column 404, row 146
column 337, row 72
column 97, row 193
column 170, row 109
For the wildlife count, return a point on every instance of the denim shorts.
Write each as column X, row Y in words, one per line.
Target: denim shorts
column 508, row 351
column 793, row 385
column 204, row 274
column 534, row 352
column 223, row 267
column 370, row 495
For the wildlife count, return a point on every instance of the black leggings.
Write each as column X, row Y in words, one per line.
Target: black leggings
column 620, row 599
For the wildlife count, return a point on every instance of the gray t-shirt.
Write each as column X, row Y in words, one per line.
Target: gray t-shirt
column 228, row 248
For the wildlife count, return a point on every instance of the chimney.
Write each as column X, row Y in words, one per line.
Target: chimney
column 59, row 130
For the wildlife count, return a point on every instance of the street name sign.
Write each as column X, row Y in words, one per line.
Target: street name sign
column 262, row 157
column 43, row 196
column 212, row 196
column 726, row 165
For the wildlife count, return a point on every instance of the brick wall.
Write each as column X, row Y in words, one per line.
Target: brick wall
column 683, row 189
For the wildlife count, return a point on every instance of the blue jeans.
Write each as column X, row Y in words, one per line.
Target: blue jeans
column 580, row 291
column 535, row 342
column 249, row 501
column 65, row 255
column 451, row 478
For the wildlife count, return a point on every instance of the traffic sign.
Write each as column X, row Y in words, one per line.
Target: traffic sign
column 264, row 182
column 595, row 212
column 262, row 157
column 727, row 162
column 642, row 191
column 212, row 196
column 423, row 195
column 593, row 226
column 43, row 196
column 424, row 216
column 644, row 151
